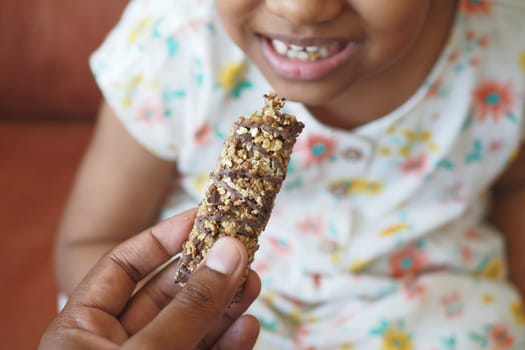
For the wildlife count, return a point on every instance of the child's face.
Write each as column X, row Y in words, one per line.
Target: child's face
column 314, row 50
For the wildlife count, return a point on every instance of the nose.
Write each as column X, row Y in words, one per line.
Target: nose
column 306, row 11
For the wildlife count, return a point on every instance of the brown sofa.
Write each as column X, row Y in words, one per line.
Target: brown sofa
column 48, row 101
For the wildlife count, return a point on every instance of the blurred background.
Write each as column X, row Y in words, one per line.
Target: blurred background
column 48, row 102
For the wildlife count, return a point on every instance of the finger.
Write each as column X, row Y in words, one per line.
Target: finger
column 201, row 303
column 241, row 335
column 235, row 310
column 110, row 284
column 158, row 292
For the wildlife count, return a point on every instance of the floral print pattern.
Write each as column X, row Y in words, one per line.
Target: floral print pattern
column 518, row 311
column 476, row 7
column 394, row 339
column 232, row 78
column 316, row 149
column 493, row 100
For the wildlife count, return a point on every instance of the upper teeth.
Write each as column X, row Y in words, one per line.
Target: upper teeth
column 305, row 53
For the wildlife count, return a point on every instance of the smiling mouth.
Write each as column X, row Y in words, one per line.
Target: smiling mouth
column 306, row 58
column 304, row 51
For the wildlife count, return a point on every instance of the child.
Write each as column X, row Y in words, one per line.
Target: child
column 381, row 236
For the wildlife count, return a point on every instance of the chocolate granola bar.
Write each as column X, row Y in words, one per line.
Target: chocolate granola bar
column 242, row 188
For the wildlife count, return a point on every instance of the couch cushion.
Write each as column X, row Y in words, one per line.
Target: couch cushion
column 45, row 45
column 38, row 163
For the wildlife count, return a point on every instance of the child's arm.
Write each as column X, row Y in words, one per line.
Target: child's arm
column 117, row 193
column 508, row 213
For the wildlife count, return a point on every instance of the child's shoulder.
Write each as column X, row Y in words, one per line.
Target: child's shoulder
column 158, row 64
column 179, row 11
column 153, row 37
column 155, row 18
column 503, row 21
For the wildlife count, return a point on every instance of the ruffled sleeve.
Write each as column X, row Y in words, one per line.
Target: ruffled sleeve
column 148, row 64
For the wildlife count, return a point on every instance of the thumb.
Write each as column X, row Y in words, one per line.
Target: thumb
column 185, row 321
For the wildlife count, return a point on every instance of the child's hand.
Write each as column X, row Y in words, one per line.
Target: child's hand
column 104, row 313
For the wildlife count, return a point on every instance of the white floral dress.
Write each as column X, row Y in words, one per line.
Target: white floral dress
column 378, row 238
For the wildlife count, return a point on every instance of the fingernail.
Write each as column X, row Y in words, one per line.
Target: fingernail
column 223, row 257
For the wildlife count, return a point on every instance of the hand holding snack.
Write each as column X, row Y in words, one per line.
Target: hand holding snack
column 104, row 312
column 242, row 189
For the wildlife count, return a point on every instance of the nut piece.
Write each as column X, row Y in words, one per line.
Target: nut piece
column 242, row 188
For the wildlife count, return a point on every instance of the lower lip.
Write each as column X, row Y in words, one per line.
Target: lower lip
column 296, row 69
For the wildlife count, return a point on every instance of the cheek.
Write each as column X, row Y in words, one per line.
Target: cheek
column 392, row 26
column 236, row 11
column 235, row 14
column 385, row 15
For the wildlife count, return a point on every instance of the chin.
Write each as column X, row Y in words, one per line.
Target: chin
column 309, row 93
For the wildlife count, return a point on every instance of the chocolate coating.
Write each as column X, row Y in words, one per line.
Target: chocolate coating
column 242, row 189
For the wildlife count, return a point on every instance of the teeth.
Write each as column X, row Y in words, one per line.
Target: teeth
column 304, row 56
column 292, row 54
column 308, row 53
column 280, row 47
